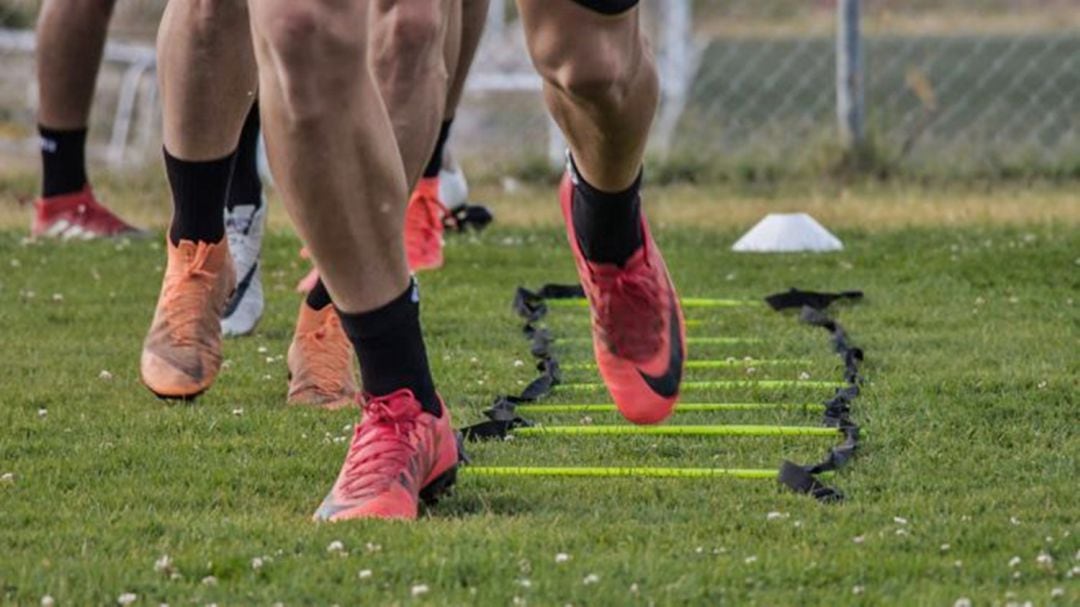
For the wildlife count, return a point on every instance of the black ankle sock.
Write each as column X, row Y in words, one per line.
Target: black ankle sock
column 390, row 346
column 63, row 161
column 318, row 297
column 608, row 225
column 198, row 190
column 245, row 187
column 435, row 163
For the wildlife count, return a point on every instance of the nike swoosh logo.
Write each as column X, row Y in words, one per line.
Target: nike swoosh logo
column 241, row 290
column 667, row 384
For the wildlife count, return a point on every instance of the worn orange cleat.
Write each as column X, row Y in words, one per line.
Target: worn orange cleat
column 181, row 355
column 77, row 216
column 399, row 455
column 424, row 226
column 639, row 336
column 320, row 361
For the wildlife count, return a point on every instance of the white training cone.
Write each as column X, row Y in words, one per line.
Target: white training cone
column 786, row 233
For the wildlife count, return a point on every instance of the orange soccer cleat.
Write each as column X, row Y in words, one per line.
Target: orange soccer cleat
column 424, row 226
column 400, row 454
column 639, row 336
column 321, row 361
column 77, row 216
column 181, row 355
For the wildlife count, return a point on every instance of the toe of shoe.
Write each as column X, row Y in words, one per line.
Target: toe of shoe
column 377, row 508
column 645, row 409
column 166, row 380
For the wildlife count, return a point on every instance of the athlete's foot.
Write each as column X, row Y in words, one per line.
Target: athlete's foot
column 244, row 227
column 637, row 323
column 424, row 226
column 181, row 355
column 320, row 361
column 399, row 455
column 77, row 216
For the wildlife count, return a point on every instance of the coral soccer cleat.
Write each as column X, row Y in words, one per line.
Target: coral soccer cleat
column 399, row 455
column 77, row 216
column 182, row 352
column 639, row 336
column 321, row 361
column 424, row 226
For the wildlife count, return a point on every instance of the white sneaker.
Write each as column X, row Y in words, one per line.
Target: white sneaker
column 244, row 226
column 453, row 188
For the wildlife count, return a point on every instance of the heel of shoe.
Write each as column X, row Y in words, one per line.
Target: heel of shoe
column 439, row 487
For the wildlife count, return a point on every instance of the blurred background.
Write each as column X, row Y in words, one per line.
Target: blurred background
column 752, row 91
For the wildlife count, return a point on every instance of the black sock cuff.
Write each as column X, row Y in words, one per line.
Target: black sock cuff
column 63, row 159
column 435, row 163
column 386, row 319
column 592, row 194
column 318, row 297
column 77, row 136
column 199, row 189
column 189, row 173
column 245, row 187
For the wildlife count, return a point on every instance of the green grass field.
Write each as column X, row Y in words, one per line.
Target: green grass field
column 969, row 457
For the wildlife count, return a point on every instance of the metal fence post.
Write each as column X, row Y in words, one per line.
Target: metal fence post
column 850, row 99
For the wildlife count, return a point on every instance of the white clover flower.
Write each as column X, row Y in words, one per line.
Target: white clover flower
column 419, row 589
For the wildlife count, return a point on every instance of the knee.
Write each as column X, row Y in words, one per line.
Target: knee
column 408, row 29
column 319, row 54
column 599, row 74
column 209, row 16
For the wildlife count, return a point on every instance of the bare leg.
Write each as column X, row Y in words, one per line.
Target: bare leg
column 600, row 84
column 70, row 43
column 206, row 70
column 207, row 82
column 332, row 145
column 473, row 17
column 70, row 40
column 412, row 75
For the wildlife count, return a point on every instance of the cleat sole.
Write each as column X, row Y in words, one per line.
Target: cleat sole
column 439, row 487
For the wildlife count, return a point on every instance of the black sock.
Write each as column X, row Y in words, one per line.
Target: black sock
column 198, row 190
column 318, row 297
column 245, row 187
column 63, row 161
column 390, row 346
column 608, row 225
column 435, row 163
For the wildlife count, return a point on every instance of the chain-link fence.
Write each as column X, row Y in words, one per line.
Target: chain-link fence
column 977, row 87
column 965, row 87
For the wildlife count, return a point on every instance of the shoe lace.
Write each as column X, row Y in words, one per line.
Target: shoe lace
column 381, row 447
column 186, row 293
column 628, row 319
column 330, row 357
